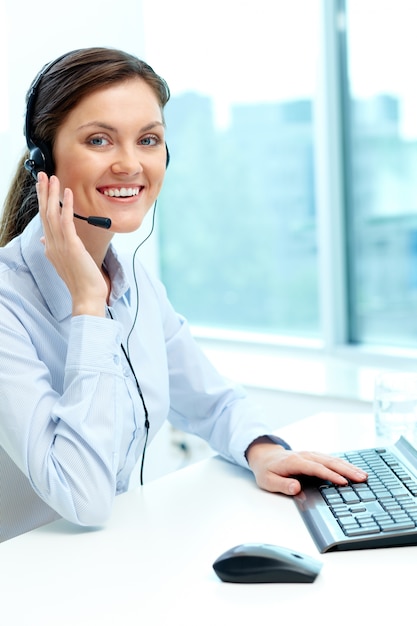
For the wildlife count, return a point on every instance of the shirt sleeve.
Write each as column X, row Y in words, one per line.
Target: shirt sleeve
column 203, row 402
column 66, row 443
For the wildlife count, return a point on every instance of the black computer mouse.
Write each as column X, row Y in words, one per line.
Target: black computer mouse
column 265, row 563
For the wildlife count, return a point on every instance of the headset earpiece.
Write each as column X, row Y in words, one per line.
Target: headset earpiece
column 40, row 160
column 168, row 156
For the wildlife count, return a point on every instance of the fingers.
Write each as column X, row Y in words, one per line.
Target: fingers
column 270, row 481
column 42, row 190
column 56, row 216
column 278, row 470
column 331, row 468
column 48, row 199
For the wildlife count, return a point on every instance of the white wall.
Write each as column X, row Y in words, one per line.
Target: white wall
column 34, row 34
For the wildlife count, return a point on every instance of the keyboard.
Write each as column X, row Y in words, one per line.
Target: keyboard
column 379, row 513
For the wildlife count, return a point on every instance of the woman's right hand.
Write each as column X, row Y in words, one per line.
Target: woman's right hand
column 66, row 251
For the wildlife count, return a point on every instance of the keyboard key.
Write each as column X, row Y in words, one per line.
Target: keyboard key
column 350, row 497
column 400, row 516
column 335, row 500
column 395, row 492
column 343, row 514
column 355, row 532
column 383, row 519
column 412, row 487
column 390, row 526
column 366, row 495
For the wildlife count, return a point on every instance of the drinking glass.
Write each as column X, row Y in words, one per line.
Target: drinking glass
column 395, row 406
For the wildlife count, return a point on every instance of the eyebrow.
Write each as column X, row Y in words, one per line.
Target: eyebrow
column 105, row 126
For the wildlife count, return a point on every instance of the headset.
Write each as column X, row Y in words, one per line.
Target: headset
column 40, row 152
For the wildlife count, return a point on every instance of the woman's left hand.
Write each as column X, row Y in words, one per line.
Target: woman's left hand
column 276, row 468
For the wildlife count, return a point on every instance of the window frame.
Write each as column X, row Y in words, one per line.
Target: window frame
column 332, row 196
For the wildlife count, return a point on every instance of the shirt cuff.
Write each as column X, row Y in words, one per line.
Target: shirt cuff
column 279, row 441
column 94, row 345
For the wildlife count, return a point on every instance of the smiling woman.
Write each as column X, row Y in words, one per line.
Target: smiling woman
column 101, row 369
column 50, row 102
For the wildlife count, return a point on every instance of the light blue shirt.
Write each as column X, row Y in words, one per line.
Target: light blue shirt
column 70, row 414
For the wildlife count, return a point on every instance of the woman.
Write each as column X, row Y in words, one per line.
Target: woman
column 89, row 370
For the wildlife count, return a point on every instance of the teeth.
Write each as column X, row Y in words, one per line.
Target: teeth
column 122, row 193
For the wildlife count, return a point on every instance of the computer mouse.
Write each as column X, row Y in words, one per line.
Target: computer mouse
column 265, row 563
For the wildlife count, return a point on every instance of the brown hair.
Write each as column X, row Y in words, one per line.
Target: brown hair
column 60, row 89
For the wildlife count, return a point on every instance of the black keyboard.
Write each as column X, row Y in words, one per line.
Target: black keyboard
column 387, row 501
column 379, row 513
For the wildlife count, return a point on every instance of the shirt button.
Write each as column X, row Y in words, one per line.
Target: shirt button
column 116, row 359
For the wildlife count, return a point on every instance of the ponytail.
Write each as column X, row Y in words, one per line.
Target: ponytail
column 20, row 206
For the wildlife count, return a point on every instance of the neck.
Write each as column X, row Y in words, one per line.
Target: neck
column 108, row 282
column 96, row 241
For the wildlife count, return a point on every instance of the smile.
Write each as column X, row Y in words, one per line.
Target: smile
column 122, row 192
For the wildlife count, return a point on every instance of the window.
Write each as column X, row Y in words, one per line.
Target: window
column 290, row 203
column 237, row 216
column 380, row 112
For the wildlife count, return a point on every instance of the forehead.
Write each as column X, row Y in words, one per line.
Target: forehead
column 132, row 100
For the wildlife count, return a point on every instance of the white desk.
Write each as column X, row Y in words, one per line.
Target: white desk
column 152, row 564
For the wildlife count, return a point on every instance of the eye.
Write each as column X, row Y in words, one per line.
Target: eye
column 149, row 140
column 98, row 141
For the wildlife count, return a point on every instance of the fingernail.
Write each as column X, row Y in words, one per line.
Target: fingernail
column 292, row 489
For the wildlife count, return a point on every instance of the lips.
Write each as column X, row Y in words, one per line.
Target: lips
column 121, row 192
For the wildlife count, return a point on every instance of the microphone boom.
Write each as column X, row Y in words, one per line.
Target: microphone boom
column 100, row 222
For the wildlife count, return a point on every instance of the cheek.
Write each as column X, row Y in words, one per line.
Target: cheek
column 73, row 174
column 64, row 169
column 159, row 175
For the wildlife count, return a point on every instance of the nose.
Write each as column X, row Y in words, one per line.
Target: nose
column 127, row 161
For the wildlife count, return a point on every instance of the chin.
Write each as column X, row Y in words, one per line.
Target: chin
column 127, row 226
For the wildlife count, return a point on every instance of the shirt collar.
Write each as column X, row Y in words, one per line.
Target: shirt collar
column 51, row 286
